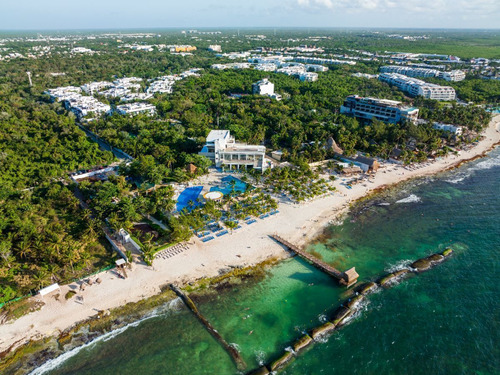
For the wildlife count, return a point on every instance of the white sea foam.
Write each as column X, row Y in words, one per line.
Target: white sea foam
column 261, row 357
column 323, row 318
column 459, row 178
column 484, row 164
column 290, row 350
column 58, row 361
column 235, row 346
column 410, row 199
column 401, row 265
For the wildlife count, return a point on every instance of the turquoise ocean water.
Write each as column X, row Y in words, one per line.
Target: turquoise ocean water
column 444, row 321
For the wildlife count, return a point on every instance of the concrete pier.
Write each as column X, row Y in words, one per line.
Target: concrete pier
column 347, row 278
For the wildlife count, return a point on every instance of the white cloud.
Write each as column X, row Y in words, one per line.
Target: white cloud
column 486, row 7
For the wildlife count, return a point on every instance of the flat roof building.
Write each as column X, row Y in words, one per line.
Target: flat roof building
column 308, row 77
column 454, row 75
column 416, row 87
column 265, row 87
column 136, row 108
column 224, row 151
column 385, row 110
column 457, row 130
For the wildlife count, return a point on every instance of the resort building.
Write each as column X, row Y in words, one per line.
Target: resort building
column 319, row 60
column 94, row 87
column 385, row 110
column 457, row 130
column 308, row 77
column 416, row 87
column 136, row 96
column 266, row 67
column 224, row 151
column 136, row 108
column 409, row 71
column 181, row 48
column 215, row 48
column 454, row 75
column 82, row 106
column 265, row 87
column 60, row 94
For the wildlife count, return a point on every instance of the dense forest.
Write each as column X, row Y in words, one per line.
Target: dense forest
column 45, row 236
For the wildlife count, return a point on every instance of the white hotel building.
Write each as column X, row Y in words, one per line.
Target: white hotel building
column 457, row 130
column 416, row 87
column 265, row 87
column 224, row 151
column 454, row 75
column 132, row 109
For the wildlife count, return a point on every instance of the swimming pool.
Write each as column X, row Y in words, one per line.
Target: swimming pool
column 225, row 188
column 187, row 195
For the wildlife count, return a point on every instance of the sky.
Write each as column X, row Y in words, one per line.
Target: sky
column 123, row 14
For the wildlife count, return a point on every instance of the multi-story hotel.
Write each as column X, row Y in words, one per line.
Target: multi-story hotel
column 409, row 71
column 454, row 75
column 224, row 151
column 416, row 87
column 382, row 109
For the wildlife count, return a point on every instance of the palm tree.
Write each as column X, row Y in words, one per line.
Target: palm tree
column 231, row 225
column 53, row 269
column 41, row 278
column 148, row 253
column 86, row 258
column 72, row 254
column 24, row 248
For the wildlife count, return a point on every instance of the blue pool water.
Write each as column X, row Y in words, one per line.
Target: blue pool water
column 239, row 186
column 189, row 194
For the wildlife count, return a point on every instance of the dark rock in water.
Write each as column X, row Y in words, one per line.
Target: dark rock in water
column 322, row 330
column 421, row 264
column 435, row 258
column 281, row 361
column 388, row 279
column 366, row 288
column 354, row 302
column 341, row 315
column 447, row 252
column 302, row 343
column 402, row 272
column 260, row 371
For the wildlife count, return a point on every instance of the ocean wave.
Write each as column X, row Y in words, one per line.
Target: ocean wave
column 459, row 178
column 487, row 163
column 401, row 265
column 484, row 164
column 58, row 361
column 323, row 318
column 410, row 199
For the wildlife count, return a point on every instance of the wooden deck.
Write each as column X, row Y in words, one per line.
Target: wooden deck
column 347, row 278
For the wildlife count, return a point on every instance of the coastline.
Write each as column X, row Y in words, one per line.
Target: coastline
column 247, row 247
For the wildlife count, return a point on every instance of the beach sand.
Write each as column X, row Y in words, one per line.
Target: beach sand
column 248, row 245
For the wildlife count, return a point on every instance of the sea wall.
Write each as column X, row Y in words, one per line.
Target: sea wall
column 349, row 307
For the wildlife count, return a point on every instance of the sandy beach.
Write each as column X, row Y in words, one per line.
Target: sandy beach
column 248, row 245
